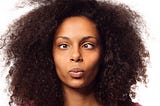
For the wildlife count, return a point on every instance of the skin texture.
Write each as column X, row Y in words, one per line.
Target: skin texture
column 76, row 47
column 35, row 71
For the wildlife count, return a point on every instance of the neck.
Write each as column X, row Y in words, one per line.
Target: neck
column 79, row 97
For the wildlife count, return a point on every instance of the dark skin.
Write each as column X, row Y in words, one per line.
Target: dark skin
column 76, row 47
column 32, row 44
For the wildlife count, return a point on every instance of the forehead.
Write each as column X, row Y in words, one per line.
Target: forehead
column 78, row 20
column 77, row 25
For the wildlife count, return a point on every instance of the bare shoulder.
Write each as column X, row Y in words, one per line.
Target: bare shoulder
column 136, row 104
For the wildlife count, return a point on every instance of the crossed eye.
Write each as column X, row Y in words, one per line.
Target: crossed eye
column 63, row 46
column 86, row 46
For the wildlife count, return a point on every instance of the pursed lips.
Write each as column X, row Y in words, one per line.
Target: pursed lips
column 76, row 73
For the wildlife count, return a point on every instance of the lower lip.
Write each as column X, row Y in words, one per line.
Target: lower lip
column 78, row 74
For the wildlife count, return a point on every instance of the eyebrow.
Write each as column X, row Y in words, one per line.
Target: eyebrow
column 88, row 37
column 83, row 39
column 63, row 37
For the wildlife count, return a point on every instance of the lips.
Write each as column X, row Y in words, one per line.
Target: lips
column 76, row 73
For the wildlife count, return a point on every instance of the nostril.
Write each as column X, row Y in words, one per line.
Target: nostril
column 77, row 60
column 72, row 59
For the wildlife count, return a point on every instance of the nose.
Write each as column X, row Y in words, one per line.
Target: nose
column 76, row 55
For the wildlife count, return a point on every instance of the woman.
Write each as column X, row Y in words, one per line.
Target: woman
column 75, row 53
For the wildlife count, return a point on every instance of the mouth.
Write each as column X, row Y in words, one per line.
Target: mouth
column 76, row 73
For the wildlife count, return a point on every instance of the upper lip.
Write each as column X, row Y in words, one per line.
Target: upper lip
column 76, row 70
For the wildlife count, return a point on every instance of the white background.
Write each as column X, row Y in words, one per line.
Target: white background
column 149, row 9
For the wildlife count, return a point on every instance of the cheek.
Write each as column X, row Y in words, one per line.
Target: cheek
column 59, row 62
column 92, row 66
column 59, row 65
column 59, row 57
column 93, row 59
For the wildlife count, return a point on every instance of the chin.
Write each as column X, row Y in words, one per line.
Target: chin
column 77, row 85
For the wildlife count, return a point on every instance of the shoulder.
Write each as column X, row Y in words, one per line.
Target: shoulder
column 136, row 104
column 26, row 104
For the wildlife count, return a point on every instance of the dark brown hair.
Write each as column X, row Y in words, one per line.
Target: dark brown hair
column 29, row 47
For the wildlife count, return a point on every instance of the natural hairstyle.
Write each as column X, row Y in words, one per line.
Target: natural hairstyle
column 28, row 47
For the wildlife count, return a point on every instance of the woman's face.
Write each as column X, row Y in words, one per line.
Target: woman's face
column 76, row 52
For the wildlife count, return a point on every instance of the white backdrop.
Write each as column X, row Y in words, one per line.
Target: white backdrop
column 147, row 8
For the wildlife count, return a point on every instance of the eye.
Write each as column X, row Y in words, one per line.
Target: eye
column 63, row 46
column 88, row 46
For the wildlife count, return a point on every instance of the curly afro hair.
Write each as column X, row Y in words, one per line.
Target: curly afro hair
column 29, row 42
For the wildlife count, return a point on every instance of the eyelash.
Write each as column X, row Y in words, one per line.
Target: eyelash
column 63, row 46
column 86, row 46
